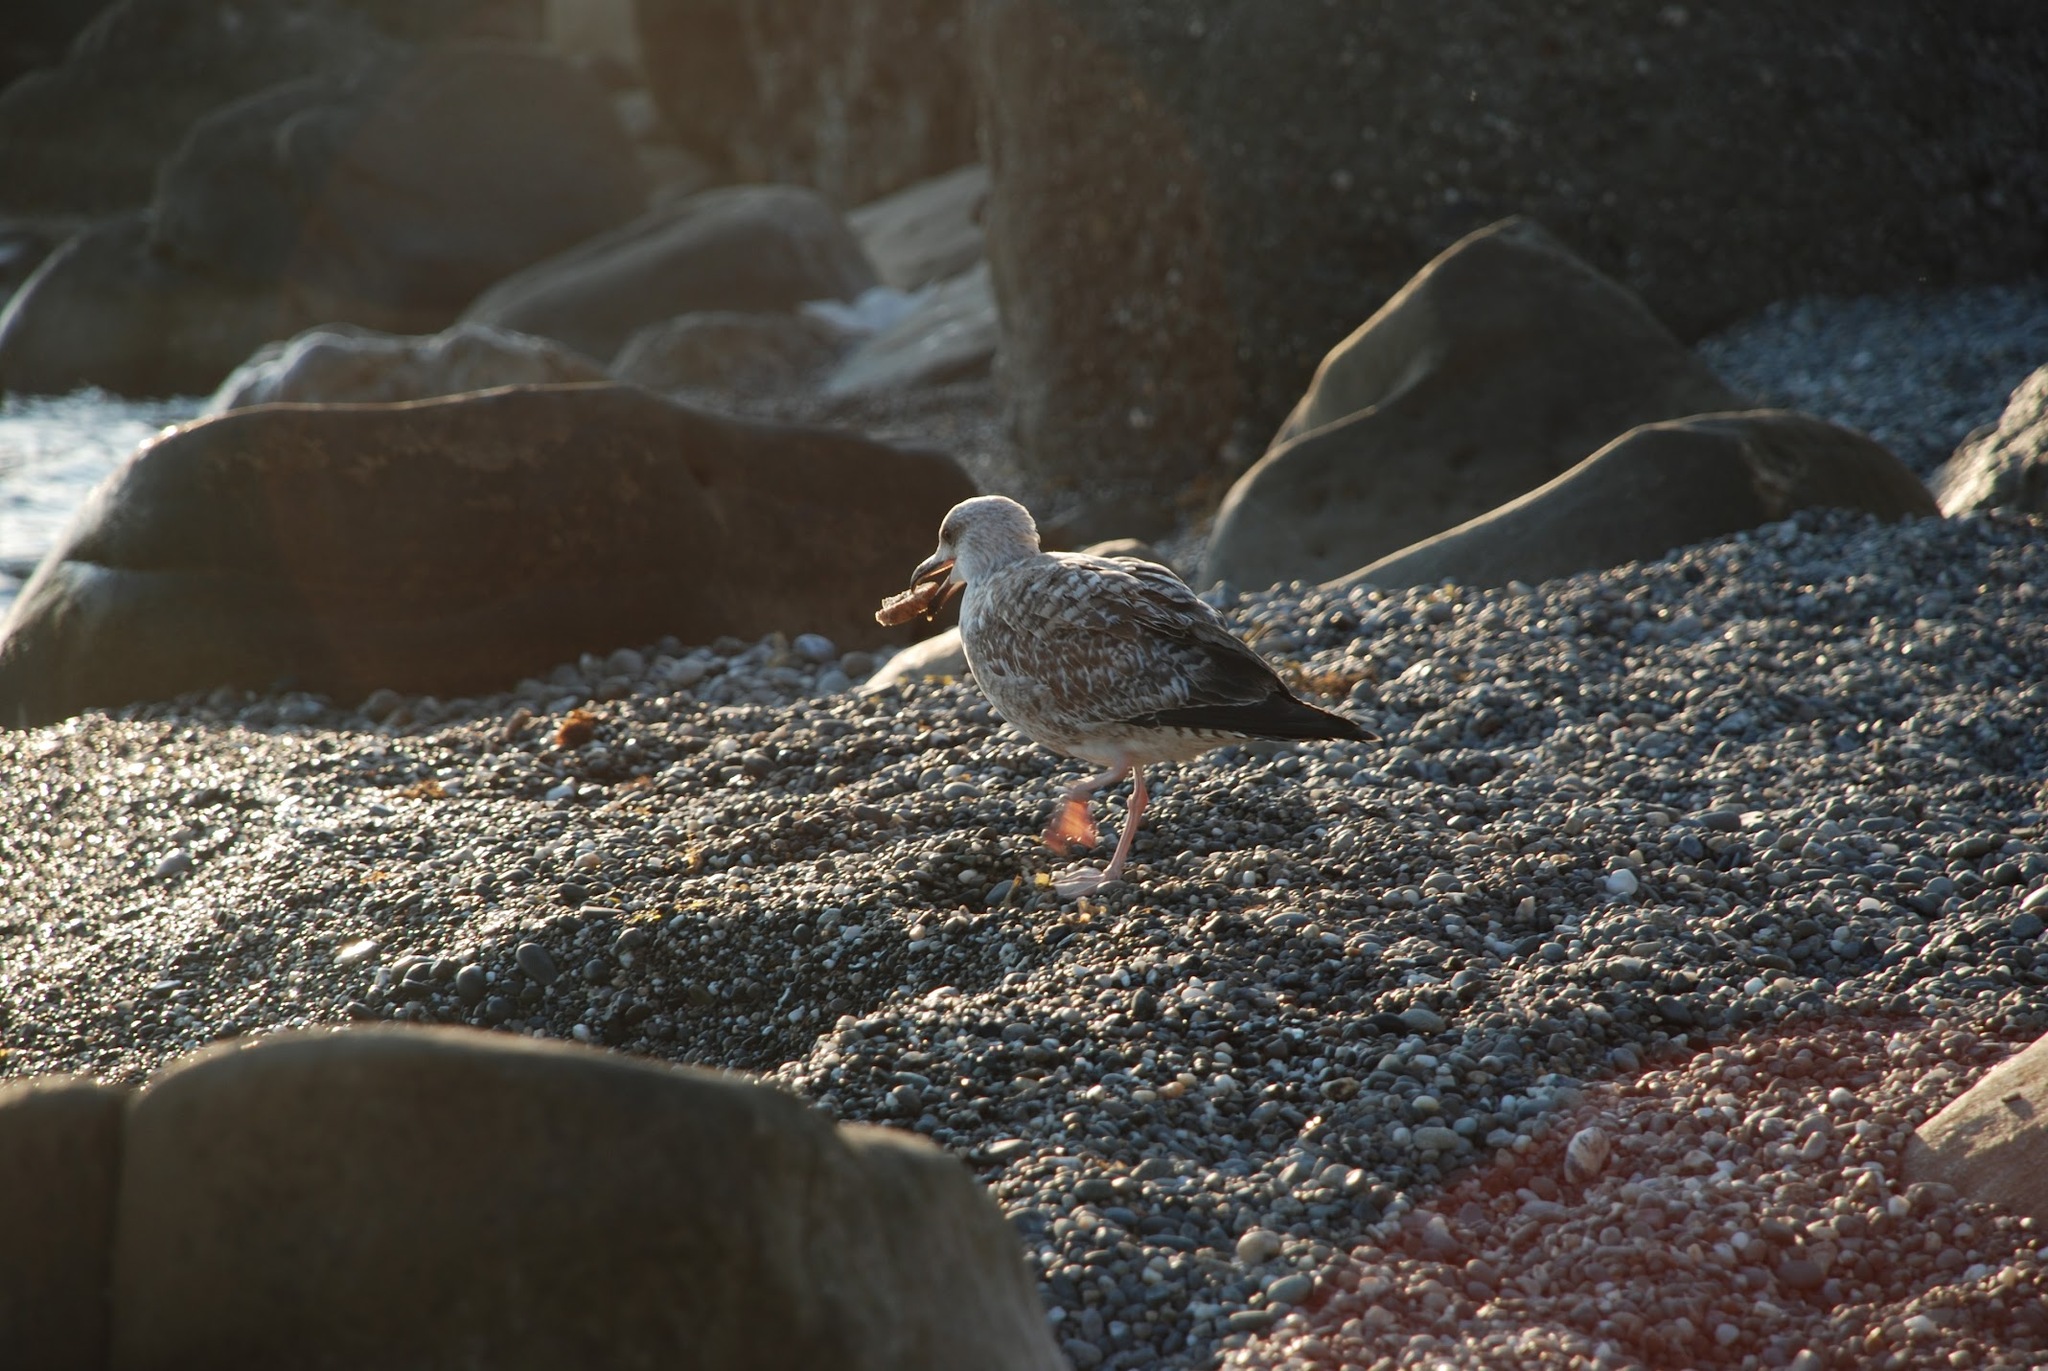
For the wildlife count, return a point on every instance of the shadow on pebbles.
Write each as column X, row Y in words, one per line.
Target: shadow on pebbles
column 1736, row 856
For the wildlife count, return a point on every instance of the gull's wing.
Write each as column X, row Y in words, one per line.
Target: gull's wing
column 1116, row 640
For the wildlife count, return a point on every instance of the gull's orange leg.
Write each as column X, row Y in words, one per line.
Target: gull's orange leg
column 1086, row 880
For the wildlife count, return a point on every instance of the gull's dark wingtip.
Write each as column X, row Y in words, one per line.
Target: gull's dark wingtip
column 1281, row 716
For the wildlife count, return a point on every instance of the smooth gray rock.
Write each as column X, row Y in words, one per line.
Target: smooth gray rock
column 60, row 1150
column 1660, row 487
column 453, row 546
column 107, row 310
column 344, row 362
column 952, row 336
column 745, row 249
column 1503, row 363
column 2006, row 468
column 450, row 1198
column 939, row 655
column 394, row 198
column 925, row 233
column 1989, row 1142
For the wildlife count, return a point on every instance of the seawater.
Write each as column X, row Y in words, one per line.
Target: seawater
column 53, row 450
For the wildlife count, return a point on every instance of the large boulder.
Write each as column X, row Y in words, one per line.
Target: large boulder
column 925, row 233
column 1194, row 199
column 454, row 546
column 1503, row 363
column 741, row 248
column 1658, row 488
column 60, row 1158
column 587, row 1210
column 85, row 137
column 856, row 98
column 347, row 363
column 107, row 309
column 2007, row 467
column 389, row 199
column 1990, row 1140
column 395, row 198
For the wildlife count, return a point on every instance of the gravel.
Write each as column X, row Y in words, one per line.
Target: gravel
column 1343, row 1024
column 1917, row 371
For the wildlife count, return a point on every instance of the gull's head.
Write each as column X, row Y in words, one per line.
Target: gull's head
column 980, row 536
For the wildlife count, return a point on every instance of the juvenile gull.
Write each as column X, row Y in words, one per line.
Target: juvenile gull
column 1109, row 659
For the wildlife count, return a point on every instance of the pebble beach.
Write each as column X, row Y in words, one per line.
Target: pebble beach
column 1580, row 1023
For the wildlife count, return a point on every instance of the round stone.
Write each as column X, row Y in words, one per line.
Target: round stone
column 534, row 960
column 1291, row 1289
column 814, row 647
column 470, row 984
column 1422, row 1019
column 1258, row 1245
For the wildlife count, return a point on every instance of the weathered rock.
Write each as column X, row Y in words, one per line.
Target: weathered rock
column 60, row 1151
column 345, row 363
column 394, row 199
column 726, row 1224
column 1660, row 487
column 599, row 32
column 856, row 98
column 453, row 546
column 38, row 32
column 939, row 655
column 1990, row 1140
column 725, row 351
column 952, row 336
column 2006, row 468
column 85, row 138
column 1503, row 363
column 746, row 249
column 925, row 233
column 1194, row 199
column 107, row 310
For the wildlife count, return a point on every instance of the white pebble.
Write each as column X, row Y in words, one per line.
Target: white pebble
column 1621, row 882
column 1585, row 1156
column 1258, row 1245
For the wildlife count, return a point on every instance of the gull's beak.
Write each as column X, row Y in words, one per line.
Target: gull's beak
column 938, row 564
column 936, row 571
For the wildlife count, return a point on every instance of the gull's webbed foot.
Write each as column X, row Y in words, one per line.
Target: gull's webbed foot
column 1077, row 881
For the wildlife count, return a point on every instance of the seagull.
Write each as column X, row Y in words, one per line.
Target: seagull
column 1112, row 660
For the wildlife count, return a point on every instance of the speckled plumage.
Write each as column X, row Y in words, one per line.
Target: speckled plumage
column 1109, row 659
column 1097, row 657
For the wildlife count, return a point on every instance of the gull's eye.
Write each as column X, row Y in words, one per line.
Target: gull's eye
column 950, row 533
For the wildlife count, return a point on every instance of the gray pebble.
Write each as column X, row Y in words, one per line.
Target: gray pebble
column 534, row 960
column 1291, row 1289
column 1422, row 1019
